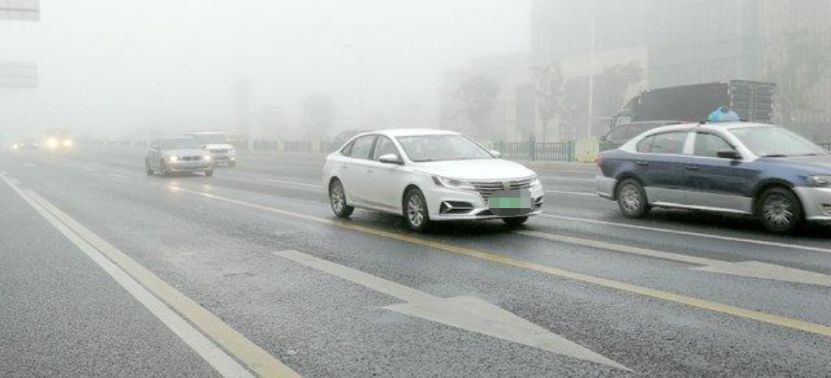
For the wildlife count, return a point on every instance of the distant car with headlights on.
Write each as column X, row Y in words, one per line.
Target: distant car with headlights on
column 59, row 140
column 26, row 145
column 216, row 142
column 429, row 176
column 752, row 169
column 178, row 155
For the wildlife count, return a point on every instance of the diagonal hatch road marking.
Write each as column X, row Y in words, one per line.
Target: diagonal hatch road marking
column 751, row 269
column 468, row 313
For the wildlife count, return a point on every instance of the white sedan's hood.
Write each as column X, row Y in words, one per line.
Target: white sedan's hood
column 476, row 170
column 219, row 146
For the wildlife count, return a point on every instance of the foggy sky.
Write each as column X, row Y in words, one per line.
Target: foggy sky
column 107, row 67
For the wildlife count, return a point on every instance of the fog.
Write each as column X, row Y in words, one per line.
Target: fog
column 110, row 68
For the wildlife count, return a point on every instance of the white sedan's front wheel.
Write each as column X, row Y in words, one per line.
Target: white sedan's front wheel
column 415, row 210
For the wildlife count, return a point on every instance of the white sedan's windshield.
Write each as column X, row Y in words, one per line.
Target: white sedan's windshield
column 424, row 148
column 776, row 142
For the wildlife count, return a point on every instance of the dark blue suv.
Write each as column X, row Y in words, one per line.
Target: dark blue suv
column 742, row 168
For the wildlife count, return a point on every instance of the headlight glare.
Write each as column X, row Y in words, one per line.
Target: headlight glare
column 67, row 142
column 820, row 180
column 173, row 159
column 52, row 143
column 207, row 157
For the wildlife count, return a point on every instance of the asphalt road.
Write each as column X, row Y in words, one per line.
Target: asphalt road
column 105, row 271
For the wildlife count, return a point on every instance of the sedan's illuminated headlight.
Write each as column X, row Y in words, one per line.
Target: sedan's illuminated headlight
column 52, row 143
column 67, row 143
column 453, row 183
column 173, row 159
column 820, row 180
column 207, row 157
column 15, row 146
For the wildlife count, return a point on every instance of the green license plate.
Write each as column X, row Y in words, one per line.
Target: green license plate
column 510, row 201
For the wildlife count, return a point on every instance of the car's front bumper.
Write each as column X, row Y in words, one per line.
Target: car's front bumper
column 223, row 158
column 816, row 203
column 442, row 200
column 188, row 166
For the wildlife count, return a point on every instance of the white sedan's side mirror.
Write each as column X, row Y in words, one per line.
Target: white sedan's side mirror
column 495, row 153
column 389, row 159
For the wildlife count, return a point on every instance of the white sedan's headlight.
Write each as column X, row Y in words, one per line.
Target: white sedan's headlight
column 52, row 143
column 820, row 180
column 173, row 159
column 207, row 157
column 453, row 183
column 535, row 182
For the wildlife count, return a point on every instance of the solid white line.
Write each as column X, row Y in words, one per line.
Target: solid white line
column 620, row 248
column 378, row 284
column 210, row 352
column 572, row 193
column 316, row 186
column 14, row 181
column 688, row 233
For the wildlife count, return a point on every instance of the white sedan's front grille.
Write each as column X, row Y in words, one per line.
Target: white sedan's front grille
column 486, row 188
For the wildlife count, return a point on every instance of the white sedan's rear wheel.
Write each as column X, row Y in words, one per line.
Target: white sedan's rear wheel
column 337, row 200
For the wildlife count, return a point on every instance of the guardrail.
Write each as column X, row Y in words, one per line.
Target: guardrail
column 543, row 151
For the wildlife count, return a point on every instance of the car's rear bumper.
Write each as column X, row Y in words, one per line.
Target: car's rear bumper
column 605, row 186
column 816, row 203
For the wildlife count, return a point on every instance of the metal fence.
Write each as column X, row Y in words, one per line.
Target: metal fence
column 562, row 151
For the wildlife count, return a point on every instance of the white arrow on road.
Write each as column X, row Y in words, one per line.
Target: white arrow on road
column 752, row 269
column 468, row 313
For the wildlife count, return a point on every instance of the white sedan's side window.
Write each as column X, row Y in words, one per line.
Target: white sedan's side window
column 362, row 147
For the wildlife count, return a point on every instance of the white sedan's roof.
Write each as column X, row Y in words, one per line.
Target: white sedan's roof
column 410, row 132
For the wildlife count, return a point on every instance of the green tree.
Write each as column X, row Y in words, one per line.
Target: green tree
column 477, row 96
column 549, row 86
column 796, row 62
column 319, row 112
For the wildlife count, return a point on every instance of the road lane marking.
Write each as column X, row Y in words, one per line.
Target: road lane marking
column 314, row 186
column 688, row 233
column 119, row 176
column 591, row 194
column 466, row 312
column 29, row 164
column 751, row 269
column 702, row 304
column 566, row 178
column 13, row 180
column 162, row 299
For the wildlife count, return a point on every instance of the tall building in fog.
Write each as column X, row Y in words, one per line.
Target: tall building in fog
column 684, row 41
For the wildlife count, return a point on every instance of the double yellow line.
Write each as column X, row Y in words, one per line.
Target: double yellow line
column 739, row 312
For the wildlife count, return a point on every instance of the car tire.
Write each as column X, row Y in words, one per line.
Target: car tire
column 631, row 198
column 232, row 164
column 337, row 200
column 416, row 213
column 150, row 171
column 780, row 211
column 209, row 173
column 515, row 221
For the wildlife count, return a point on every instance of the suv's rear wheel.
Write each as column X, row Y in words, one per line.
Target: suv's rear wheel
column 415, row 210
column 631, row 198
column 337, row 200
column 780, row 210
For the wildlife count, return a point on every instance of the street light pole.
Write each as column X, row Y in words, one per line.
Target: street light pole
column 593, row 31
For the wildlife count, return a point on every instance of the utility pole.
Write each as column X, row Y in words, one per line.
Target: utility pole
column 592, row 33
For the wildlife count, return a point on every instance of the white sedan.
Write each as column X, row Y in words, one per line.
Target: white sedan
column 429, row 176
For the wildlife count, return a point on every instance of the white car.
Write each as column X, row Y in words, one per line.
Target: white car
column 216, row 142
column 429, row 176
